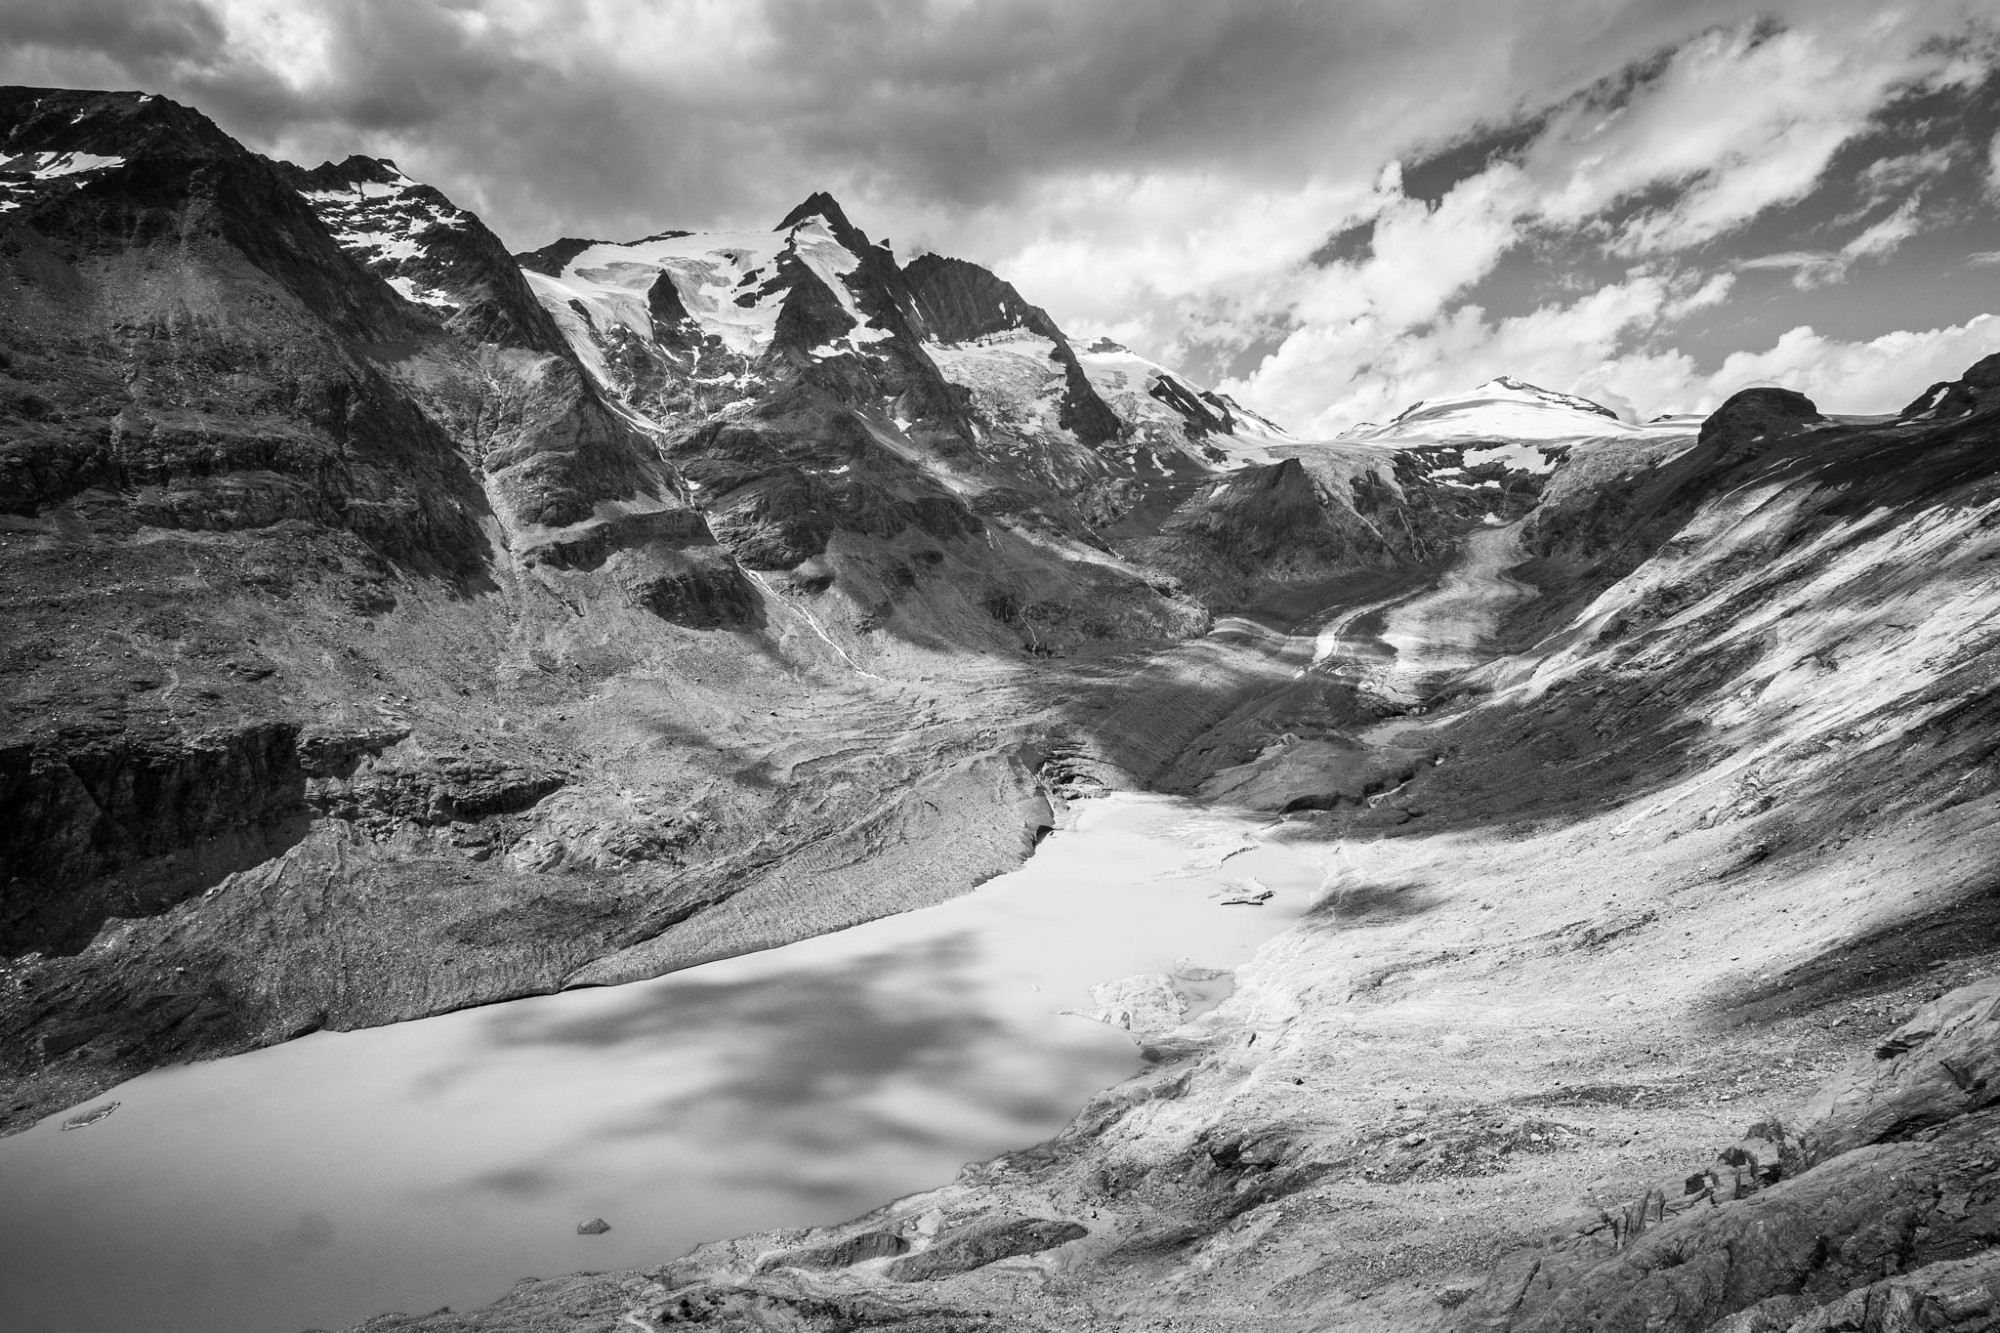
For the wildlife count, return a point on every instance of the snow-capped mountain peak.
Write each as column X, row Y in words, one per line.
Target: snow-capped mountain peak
column 1504, row 408
column 384, row 219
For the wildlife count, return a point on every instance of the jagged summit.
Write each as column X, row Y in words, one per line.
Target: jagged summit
column 685, row 320
column 358, row 167
column 819, row 204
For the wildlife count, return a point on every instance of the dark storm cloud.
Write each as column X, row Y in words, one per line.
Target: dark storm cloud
column 388, row 65
column 141, row 37
column 622, row 116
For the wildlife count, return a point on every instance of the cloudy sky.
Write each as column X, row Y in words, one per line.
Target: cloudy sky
column 1330, row 207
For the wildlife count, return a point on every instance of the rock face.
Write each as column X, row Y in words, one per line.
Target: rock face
column 1753, row 418
column 961, row 302
column 432, row 252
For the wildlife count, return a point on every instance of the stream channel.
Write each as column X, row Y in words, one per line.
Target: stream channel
column 433, row 1163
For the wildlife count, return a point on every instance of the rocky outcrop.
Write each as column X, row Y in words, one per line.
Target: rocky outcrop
column 1206, row 413
column 553, row 258
column 846, row 1252
column 114, row 824
column 1303, row 519
column 1752, row 420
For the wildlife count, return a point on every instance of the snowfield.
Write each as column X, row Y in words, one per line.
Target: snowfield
column 720, row 277
column 1509, row 410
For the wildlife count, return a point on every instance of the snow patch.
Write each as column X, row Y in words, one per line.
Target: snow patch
column 25, row 175
column 1515, row 457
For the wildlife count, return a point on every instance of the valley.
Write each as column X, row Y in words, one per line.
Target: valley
column 397, row 628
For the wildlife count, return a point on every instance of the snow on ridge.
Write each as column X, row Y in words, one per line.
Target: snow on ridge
column 383, row 223
column 24, row 175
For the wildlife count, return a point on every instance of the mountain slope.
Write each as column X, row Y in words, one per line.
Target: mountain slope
column 1651, row 988
column 501, row 633
column 313, row 583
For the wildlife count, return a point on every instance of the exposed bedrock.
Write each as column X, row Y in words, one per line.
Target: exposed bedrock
column 1299, row 522
column 119, row 826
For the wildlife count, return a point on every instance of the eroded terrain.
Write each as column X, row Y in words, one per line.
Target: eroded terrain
column 395, row 625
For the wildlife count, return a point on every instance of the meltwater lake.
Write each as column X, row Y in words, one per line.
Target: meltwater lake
column 437, row 1162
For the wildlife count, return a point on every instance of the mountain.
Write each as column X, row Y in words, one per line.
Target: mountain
column 340, row 545
column 396, row 624
column 1503, row 409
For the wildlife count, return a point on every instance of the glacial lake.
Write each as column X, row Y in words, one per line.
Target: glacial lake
column 437, row 1162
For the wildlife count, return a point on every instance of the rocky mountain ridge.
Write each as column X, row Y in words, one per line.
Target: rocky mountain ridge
column 395, row 624
column 312, row 580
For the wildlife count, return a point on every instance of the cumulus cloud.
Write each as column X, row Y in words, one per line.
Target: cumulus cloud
column 1658, row 166
column 1856, row 376
column 1563, row 343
